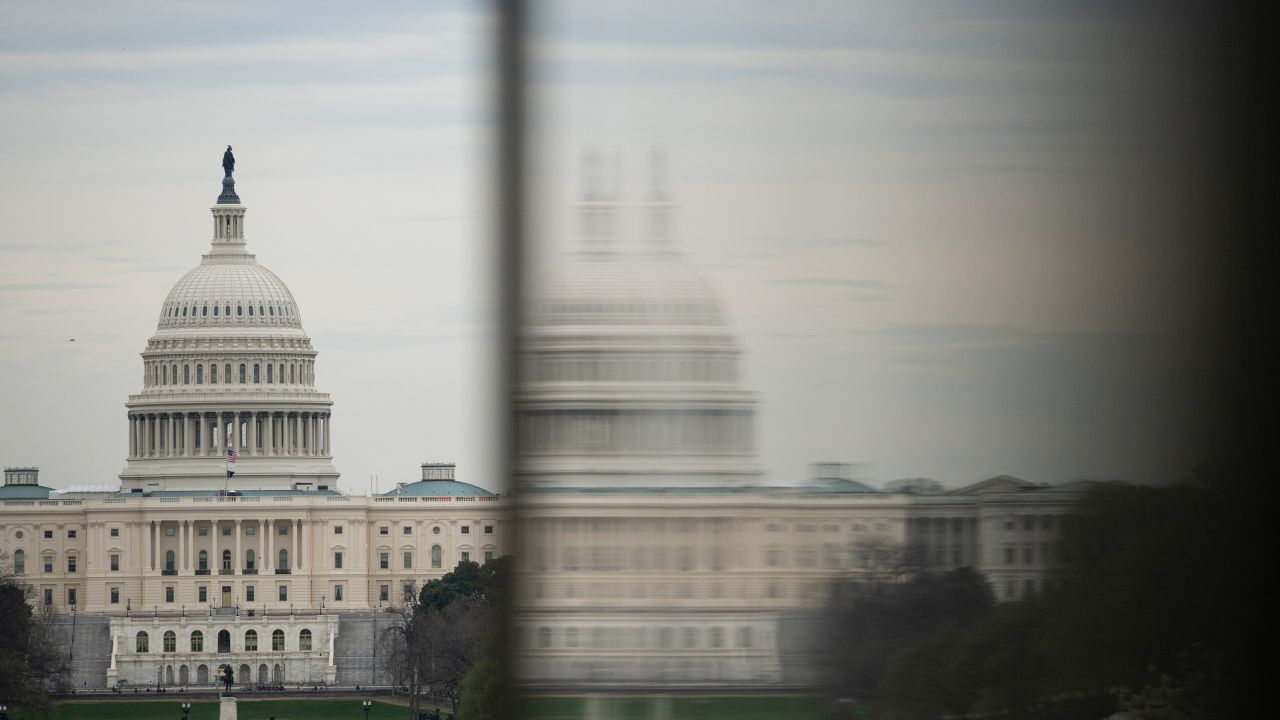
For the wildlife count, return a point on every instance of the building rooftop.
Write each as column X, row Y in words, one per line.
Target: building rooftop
column 439, row 488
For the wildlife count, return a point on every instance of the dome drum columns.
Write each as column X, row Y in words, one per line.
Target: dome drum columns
column 251, row 433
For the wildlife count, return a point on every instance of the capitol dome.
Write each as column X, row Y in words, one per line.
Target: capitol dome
column 630, row 371
column 639, row 289
column 229, row 292
column 229, row 398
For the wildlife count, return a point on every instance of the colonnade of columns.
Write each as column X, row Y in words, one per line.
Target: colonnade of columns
column 267, row 551
column 208, row 434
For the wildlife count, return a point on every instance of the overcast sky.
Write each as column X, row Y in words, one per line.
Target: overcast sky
column 956, row 240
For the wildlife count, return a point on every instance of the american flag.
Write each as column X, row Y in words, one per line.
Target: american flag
column 231, row 451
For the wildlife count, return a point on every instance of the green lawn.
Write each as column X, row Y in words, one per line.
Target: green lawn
column 335, row 709
column 763, row 707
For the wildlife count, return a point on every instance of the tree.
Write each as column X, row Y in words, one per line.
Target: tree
column 453, row 624
column 31, row 659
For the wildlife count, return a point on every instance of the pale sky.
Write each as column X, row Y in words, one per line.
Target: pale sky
column 955, row 240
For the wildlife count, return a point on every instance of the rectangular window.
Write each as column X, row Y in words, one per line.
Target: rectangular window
column 337, row 529
column 226, row 531
column 249, row 593
column 115, row 596
column 466, row 529
column 466, row 556
column 383, row 561
column 170, row 532
column 202, row 593
column 408, row 592
column 71, row 534
column 202, row 532
column 337, row 560
column 488, row 529
column 408, row 561
column 251, row 530
column 71, row 596
column 48, row 596
column 1028, row 553
column 407, row 530
column 488, row 555
column 71, row 563
column 168, row 593
column 337, row 593
column 115, row 532
column 1008, row 556
column 284, row 593
column 115, row 562
column 48, row 534
column 284, row 529
column 384, row 592
column 48, row 563
column 384, row 530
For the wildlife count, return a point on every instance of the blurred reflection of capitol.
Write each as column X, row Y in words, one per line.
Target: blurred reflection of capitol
column 653, row 550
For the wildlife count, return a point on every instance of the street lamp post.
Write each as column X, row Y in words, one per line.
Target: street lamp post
column 366, row 705
column 186, row 708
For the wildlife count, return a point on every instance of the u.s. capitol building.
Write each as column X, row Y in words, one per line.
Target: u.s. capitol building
column 227, row 541
column 653, row 550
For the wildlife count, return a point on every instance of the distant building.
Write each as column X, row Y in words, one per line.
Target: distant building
column 186, row 567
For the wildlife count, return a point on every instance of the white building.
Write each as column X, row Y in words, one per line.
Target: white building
column 186, row 568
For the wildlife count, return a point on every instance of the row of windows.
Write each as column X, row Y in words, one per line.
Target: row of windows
column 20, row 562
column 408, row 530
column 1028, row 554
column 663, row 638
column 270, row 373
column 437, row 558
column 142, row 641
column 673, row 368
column 267, row 311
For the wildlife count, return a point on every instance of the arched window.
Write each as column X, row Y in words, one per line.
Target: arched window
column 277, row 640
column 544, row 637
column 256, row 379
column 202, row 674
column 164, row 375
column 239, row 311
column 168, row 560
column 173, row 373
column 271, row 310
column 269, row 368
column 260, row 313
column 170, row 641
column 215, row 311
column 241, row 373
column 213, row 374
column 304, row 639
column 250, row 311
column 284, row 559
column 436, row 556
column 197, row 641
column 224, row 641
column 204, row 559
column 19, row 562
column 228, row 310
column 249, row 559
column 291, row 374
column 226, row 376
column 571, row 637
column 204, row 311
column 184, row 312
column 199, row 374
column 250, row 640
column 186, row 374
column 142, row 643
column 226, row 559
